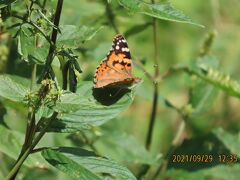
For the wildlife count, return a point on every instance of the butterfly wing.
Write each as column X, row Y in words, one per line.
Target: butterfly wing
column 116, row 68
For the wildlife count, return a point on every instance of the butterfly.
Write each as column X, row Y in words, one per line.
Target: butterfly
column 116, row 68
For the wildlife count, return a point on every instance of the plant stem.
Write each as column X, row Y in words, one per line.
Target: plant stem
column 29, row 144
column 23, row 157
column 47, row 69
column 155, row 94
column 33, row 77
column 110, row 16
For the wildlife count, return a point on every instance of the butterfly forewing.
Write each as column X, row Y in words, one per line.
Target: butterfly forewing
column 116, row 68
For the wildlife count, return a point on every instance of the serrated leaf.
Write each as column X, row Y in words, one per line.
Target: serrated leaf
column 11, row 143
column 83, row 111
column 72, row 36
column 82, row 164
column 4, row 3
column 10, row 89
column 164, row 11
column 27, row 47
column 231, row 141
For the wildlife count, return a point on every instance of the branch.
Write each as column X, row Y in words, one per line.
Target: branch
column 47, row 69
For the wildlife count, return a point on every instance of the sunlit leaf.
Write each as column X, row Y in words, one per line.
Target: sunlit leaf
column 164, row 11
column 11, row 90
column 73, row 36
column 28, row 48
column 85, row 165
column 82, row 111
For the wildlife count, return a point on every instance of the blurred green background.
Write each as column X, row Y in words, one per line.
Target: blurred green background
column 179, row 44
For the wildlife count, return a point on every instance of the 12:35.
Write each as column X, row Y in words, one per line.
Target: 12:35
column 231, row 158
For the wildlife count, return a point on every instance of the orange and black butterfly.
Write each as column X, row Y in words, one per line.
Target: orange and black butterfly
column 116, row 69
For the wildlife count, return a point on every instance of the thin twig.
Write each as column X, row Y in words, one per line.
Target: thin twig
column 155, row 94
column 141, row 66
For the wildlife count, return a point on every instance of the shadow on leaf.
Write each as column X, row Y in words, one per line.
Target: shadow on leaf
column 108, row 96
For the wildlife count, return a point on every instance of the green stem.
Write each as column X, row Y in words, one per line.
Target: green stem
column 33, row 77
column 29, row 144
column 47, row 69
column 155, row 94
column 23, row 157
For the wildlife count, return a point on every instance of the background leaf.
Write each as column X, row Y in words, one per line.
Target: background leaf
column 14, row 140
column 124, row 148
column 85, row 165
column 10, row 89
column 73, row 36
column 164, row 11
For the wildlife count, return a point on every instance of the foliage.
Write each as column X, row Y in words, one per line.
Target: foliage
column 53, row 123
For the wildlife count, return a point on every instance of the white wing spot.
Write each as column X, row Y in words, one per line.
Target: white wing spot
column 125, row 49
column 117, row 47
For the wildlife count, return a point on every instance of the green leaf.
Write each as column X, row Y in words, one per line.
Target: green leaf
column 231, row 141
column 11, row 90
column 83, row 111
column 82, row 164
column 72, row 36
column 4, row 3
column 11, row 143
column 223, row 172
column 202, row 94
column 27, row 46
column 216, row 78
column 124, row 148
column 164, row 11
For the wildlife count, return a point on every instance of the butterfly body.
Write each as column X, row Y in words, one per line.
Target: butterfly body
column 116, row 69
